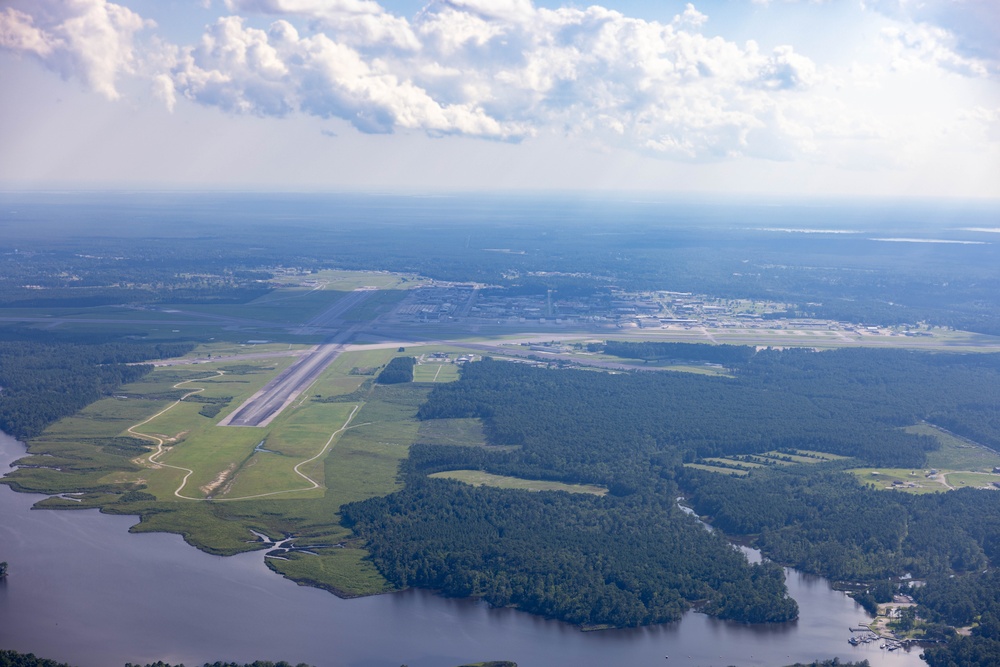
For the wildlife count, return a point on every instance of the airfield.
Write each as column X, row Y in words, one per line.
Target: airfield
column 273, row 421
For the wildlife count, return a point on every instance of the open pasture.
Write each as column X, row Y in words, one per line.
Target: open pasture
column 715, row 469
column 742, row 465
column 956, row 453
column 973, row 480
column 480, row 478
column 901, row 479
column 435, row 372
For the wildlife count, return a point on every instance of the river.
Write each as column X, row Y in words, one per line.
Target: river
column 82, row 589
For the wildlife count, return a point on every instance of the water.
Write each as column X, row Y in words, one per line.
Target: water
column 83, row 590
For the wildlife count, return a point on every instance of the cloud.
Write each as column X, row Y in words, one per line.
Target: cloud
column 361, row 23
column 247, row 70
column 958, row 35
column 498, row 69
column 925, row 44
column 92, row 40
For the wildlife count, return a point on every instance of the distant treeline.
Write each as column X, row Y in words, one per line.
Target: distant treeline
column 397, row 371
column 849, row 402
column 62, row 252
column 44, row 380
column 727, row 355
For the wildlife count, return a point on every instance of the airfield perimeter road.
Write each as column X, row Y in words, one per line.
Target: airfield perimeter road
column 266, row 404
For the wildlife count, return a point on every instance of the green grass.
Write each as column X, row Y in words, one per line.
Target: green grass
column 343, row 571
column 723, row 471
column 350, row 280
column 431, row 372
column 748, row 464
column 813, row 455
column 288, row 306
column 361, row 462
column 976, row 480
column 956, row 453
column 377, row 303
column 883, row 478
column 480, row 478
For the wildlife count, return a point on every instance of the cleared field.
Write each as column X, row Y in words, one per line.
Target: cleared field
column 747, row 464
column 725, row 464
column 900, row 479
column 431, row 372
column 957, row 464
column 976, row 480
column 721, row 471
column 812, row 456
column 956, row 453
column 480, row 478
column 348, row 280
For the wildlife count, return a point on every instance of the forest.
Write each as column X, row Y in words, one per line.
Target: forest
column 585, row 560
column 828, row 523
column 45, row 377
column 397, row 371
column 578, row 558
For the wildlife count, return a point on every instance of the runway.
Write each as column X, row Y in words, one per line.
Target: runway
column 279, row 393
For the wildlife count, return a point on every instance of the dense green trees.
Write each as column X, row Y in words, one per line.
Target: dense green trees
column 583, row 559
column 579, row 558
column 830, row 524
column 397, row 371
column 45, row 379
column 16, row 659
column 849, row 402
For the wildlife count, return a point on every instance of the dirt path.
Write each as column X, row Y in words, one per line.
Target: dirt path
column 153, row 459
column 314, row 484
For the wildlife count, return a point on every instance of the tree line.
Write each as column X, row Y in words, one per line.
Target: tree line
column 44, row 380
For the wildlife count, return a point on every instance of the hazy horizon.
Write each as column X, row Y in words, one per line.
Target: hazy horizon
column 773, row 98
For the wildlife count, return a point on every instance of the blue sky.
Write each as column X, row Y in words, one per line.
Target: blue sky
column 778, row 97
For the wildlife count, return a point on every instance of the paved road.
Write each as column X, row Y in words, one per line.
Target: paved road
column 266, row 404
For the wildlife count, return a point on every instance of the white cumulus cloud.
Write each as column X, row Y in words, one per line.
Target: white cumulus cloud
column 89, row 39
column 497, row 69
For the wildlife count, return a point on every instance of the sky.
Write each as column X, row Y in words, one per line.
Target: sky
column 844, row 98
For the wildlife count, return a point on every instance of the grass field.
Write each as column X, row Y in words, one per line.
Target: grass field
column 721, row 471
column 900, row 479
column 957, row 463
column 725, row 464
column 956, row 453
column 251, row 487
column 346, row 281
column 431, row 372
column 976, row 480
column 480, row 478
